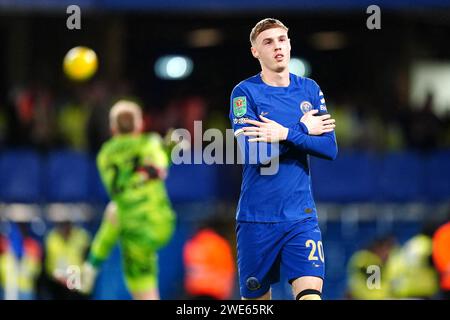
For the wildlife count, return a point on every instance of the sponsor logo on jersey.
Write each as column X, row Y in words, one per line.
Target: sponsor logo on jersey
column 239, row 120
column 240, row 106
column 323, row 108
column 264, row 113
column 306, row 106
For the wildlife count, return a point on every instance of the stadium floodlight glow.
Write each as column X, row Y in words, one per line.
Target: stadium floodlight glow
column 173, row 67
column 299, row 67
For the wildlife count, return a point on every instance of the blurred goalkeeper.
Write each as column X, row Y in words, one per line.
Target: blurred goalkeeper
column 133, row 167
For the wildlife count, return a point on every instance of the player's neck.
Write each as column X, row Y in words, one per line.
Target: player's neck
column 276, row 79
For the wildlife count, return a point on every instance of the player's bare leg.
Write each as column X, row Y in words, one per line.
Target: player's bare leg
column 152, row 294
column 265, row 296
column 307, row 288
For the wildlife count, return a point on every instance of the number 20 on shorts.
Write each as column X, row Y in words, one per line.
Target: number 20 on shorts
column 314, row 247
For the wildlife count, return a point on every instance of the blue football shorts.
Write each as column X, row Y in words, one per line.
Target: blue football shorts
column 264, row 249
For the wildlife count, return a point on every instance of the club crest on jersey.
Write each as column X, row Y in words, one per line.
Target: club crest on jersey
column 306, row 106
column 240, row 106
column 253, row 283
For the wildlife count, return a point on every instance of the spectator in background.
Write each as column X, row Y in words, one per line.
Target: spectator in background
column 348, row 132
column 31, row 118
column 410, row 269
column 376, row 254
column 209, row 264
column 3, row 125
column 193, row 109
column 170, row 117
column 3, row 252
column 72, row 122
column 20, row 262
column 66, row 247
column 441, row 257
column 20, row 110
column 446, row 133
column 97, row 126
column 424, row 128
column 44, row 134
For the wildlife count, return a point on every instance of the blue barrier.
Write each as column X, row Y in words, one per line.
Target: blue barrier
column 391, row 177
column 401, row 177
column 20, row 176
column 349, row 178
column 69, row 176
column 437, row 177
column 192, row 182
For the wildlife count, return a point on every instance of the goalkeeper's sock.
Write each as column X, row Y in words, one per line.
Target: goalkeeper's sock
column 105, row 238
column 88, row 276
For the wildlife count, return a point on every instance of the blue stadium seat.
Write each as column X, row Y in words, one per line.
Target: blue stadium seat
column 97, row 191
column 405, row 230
column 351, row 177
column 67, row 177
column 20, row 172
column 437, row 176
column 401, row 177
column 192, row 182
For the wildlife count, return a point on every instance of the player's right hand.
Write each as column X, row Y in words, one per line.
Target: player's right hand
column 318, row 125
column 151, row 172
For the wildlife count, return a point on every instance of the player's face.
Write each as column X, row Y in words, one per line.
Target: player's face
column 273, row 49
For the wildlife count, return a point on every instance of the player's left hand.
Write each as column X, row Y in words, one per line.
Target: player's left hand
column 265, row 131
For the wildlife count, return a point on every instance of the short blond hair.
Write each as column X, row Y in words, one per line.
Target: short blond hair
column 263, row 25
column 125, row 116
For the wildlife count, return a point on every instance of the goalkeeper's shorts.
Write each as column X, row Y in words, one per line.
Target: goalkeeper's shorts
column 139, row 247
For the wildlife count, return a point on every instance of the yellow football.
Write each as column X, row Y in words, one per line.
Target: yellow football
column 80, row 63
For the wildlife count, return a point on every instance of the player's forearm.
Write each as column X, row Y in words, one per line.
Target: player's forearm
column 323, row 146
column 260, row 153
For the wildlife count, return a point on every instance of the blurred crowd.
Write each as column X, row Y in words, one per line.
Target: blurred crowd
column 34, row 269
column 416, row 269
column 37, row 117
column 391, row 127
column 385, row 269
column 50, row 267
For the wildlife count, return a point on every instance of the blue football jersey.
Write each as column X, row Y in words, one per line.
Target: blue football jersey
column 285, row 195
